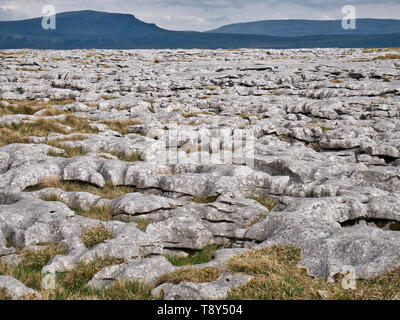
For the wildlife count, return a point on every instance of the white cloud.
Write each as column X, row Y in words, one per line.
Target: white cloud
column 8, row 7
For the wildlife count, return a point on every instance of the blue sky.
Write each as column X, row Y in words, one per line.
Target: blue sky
column 204, row 15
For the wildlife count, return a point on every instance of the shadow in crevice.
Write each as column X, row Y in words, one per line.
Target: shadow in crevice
column 385, row 224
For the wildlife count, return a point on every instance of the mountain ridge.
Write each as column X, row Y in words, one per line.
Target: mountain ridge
column 101, row 30
column 304, row 27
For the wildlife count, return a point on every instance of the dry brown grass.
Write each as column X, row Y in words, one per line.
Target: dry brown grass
column 207, row 274
column 52, row 197
column 29, row 107
column 190, row 114
column 279, row 278
column 121, row 126
column 142, row 223
column 337, row 81
column 4, row 295
column 102, row 213
column 267, row 202
column 371, row 50
column 19, row 133
column 205, row 199
column 79, row 124
column 388, row 56
column 245, row 115
column 51, row 112
column 29, row 271
column 69, row 151
column 151, row 101
column 31, row 69
column 95, row 235
column 109, row 191
column 20, row 108
column 132, row 157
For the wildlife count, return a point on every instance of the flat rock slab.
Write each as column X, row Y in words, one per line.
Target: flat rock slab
column 16, row 289
column 202, row 291
column 147, row 270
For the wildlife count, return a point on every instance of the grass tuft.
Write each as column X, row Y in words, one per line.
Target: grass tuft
column 72, row 284
column 121, row 126
column 142, row 223
column 267, row 202
column 102, row 213
column 202, row 256
column 29, row 107
column 95, row 235
column 70, row 152
column 205, row 199
column 207, row 274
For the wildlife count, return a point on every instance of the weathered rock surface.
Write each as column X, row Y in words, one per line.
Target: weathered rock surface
column 147, row 270
column 316, row 130
column 16, row 289
column 202, row 291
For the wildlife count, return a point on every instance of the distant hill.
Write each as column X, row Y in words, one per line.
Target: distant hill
column 298, row 28
column 92, row 29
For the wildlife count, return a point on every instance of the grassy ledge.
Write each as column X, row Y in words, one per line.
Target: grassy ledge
column 279, row 278
column 110, row 191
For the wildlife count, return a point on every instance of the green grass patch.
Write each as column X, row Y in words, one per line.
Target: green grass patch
column 29, row 270
column 198, row 257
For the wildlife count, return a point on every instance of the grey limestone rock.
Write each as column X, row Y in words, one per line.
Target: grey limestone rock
column 316, row 131
column 16, row 289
